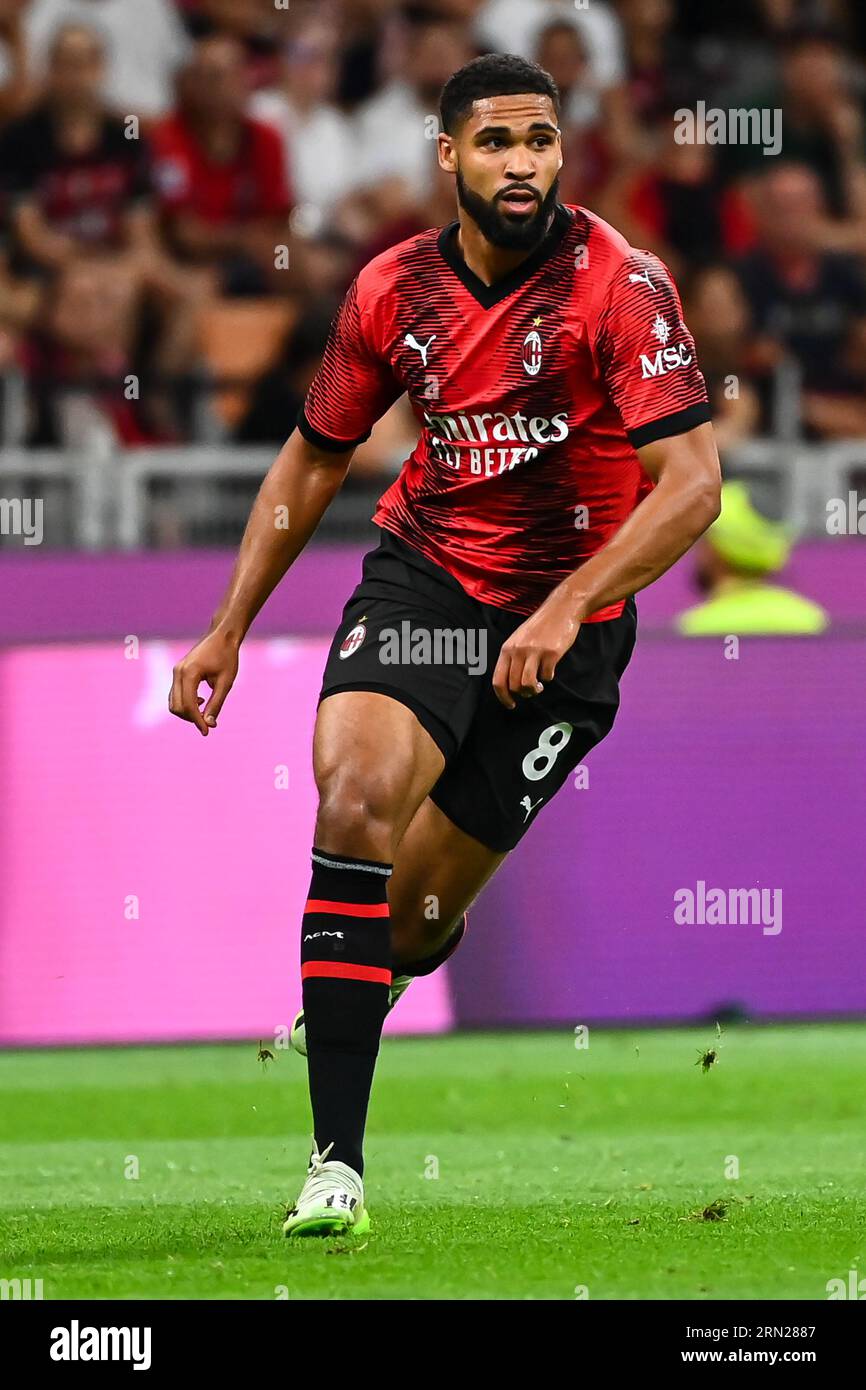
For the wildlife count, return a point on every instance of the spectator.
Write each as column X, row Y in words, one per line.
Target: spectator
column 807, row 303
column 317, row 140
column 561, row 50
column 658, row 76
column 221, row 176
column 361, row 28
column 258, row 26
column 513, row 26
column 589, row 114
column 734, row 558
column 822, row 121
column 675, row 203
column 718, row 318
column 659, row 67
column 16, row 86
column 144, row 41
column 396, row 129
column 74, row 182
column 81, row 222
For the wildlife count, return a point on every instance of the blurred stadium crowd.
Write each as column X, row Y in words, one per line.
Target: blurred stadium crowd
column 187, row 189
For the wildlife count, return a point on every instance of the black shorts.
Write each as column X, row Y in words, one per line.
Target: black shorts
column 410, row 631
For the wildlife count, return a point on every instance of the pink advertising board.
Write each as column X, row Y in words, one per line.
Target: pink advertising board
column 151, row 881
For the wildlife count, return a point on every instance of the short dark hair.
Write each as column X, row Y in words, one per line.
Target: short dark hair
column 493, row 75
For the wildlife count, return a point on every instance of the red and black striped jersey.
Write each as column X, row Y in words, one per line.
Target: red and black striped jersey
column 532, row 395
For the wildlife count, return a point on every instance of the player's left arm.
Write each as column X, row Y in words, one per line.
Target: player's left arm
column 685, row 500
column 666, row 416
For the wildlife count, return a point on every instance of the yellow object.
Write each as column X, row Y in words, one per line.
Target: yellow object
column 745, row 538
column 749, row 607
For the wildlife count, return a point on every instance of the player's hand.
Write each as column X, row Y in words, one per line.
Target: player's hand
column 214, row 660
column 532, row 652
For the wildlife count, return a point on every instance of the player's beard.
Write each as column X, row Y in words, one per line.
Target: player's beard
column 498, row 227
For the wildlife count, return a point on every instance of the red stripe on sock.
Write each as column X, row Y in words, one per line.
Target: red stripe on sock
column 347, row 909
column 343, row 970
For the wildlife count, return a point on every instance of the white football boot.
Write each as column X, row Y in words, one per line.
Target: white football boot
column 331, row 1201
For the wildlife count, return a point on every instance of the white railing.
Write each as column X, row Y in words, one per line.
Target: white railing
column 109, row 503
column 191, row 468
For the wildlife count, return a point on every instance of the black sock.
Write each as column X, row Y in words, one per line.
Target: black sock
column 427, row 964
column 346, row 972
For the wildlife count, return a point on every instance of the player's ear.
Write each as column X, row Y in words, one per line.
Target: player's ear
column 446, row 153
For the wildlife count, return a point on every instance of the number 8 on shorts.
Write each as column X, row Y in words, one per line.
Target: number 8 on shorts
column 540, row 759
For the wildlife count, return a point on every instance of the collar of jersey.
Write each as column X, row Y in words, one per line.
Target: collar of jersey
column 488, row 295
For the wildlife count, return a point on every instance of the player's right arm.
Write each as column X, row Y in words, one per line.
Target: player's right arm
column 292, row 500
column 352, row 389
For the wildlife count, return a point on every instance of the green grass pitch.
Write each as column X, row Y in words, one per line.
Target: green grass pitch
column 498, row 1167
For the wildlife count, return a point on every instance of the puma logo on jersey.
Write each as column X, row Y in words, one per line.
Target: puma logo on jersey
column 412, row 342
column 642, row 280
column 528, row 807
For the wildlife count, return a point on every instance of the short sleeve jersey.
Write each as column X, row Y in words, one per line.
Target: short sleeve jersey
column 532, row 396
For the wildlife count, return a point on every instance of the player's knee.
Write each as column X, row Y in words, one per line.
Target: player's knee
column 357, row 816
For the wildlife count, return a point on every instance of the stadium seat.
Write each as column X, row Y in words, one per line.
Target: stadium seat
column 240, row 340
